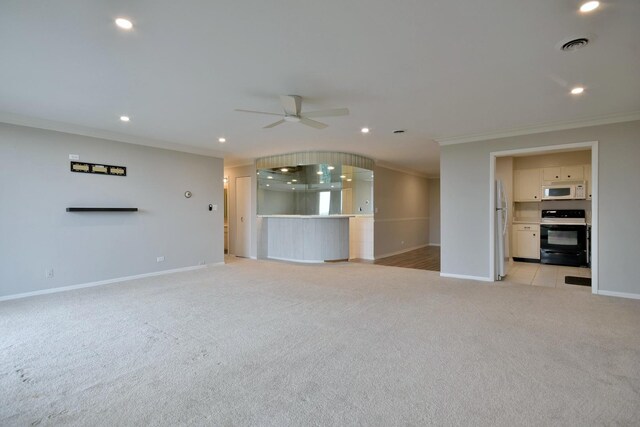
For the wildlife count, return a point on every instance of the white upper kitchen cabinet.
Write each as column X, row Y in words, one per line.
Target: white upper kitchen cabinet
column 527, row 184
column 563, row 173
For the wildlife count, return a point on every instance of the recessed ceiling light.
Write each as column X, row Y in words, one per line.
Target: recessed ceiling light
column 332, row 186
column 319, row 172
column 364, row 130
column 331, row 167
column 124, row 118
column 589, row 6
column 343, row 176
column 349, row 180
column 269, row 177
column 268, row 185
column 294, row 180
column 284, row 170
column 125, row 24
column 222, row 140
column 293, row 188
column 289, row 182
column 577, row 90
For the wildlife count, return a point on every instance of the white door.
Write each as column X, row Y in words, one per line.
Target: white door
column 243, row 216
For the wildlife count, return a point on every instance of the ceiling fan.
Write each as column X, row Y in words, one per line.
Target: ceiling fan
column 292, row 106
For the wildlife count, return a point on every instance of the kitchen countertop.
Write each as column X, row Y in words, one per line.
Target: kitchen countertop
column 307, row 216
column 526, row 221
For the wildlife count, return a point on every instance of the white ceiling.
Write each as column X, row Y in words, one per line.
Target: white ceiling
column 439, row 69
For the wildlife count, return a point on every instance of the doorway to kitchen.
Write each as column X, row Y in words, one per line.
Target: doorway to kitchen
column 549, row 189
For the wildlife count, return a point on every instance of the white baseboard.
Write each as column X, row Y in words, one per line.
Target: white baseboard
column 434, row 244
column 619, row 294
column 401, row 252
column 245, row 257
column 305, row 261
column 102, row 282
column 462, row 276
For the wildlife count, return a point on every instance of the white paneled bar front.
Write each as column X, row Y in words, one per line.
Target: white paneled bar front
column 306, row 238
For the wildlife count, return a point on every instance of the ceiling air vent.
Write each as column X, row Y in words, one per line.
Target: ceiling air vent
column 574, row 44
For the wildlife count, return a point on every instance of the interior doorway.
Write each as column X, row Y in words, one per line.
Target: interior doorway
column 226, row 215
column 540, row 205
column 244, row 211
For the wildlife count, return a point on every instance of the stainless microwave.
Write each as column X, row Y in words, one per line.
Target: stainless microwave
column 564, row 192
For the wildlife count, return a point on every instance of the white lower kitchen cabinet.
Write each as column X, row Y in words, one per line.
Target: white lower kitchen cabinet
column 526, row 241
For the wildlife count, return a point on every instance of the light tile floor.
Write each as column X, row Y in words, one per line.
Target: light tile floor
column 543, row 274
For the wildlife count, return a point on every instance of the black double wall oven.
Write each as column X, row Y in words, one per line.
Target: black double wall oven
column 563, row 237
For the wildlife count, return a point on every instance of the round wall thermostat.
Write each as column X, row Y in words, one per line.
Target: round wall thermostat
column 187, row 194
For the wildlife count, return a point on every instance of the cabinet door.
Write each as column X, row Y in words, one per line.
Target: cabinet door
column 527, row 244
column 526, row 241
column 515, row 253
column 572, row 173
column 527, row 185
column 552, row 174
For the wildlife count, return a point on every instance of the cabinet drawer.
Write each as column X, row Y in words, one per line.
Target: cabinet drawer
column 526, row 227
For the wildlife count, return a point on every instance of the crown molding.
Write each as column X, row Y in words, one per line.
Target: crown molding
column 549, row 127
column 404, row 170
column 244, row 163
column 32, row 122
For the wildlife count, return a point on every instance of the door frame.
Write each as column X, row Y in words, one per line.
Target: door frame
column 593, row 145
column 249, row 219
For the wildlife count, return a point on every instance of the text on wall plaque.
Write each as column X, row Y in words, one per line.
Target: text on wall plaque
column 83, row 167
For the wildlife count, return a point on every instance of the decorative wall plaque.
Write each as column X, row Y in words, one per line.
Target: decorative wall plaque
column 83, row 167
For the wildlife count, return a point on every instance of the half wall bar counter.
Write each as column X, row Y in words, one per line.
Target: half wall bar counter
column 314, row 206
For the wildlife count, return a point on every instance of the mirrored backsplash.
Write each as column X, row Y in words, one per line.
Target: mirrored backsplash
column 315, row 189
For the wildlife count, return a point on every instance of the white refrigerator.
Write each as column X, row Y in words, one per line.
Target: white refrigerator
column 502, row 215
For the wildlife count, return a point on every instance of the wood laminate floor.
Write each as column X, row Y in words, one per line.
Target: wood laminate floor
column 427, row 258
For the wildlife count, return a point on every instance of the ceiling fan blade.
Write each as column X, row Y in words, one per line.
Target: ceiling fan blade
column 257, row 112
column 327, row 113
column 279, row 122
column 291, row 104
column 312, row 123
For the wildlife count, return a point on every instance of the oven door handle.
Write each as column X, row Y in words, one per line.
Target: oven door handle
column 549, row 251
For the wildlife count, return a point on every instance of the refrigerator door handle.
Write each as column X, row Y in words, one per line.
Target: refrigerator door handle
column 506, row 217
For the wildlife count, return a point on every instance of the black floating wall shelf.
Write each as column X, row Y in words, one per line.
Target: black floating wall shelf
column 102, row 209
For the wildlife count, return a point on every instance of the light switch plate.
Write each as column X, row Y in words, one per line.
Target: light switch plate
column 74, row 157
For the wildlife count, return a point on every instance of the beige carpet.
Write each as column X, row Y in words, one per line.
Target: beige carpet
column 266, row 343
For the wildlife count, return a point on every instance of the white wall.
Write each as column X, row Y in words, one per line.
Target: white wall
column 36, row 233
column 361, row 237
column 401, row 219
column 465, row 201
column 363, row 197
